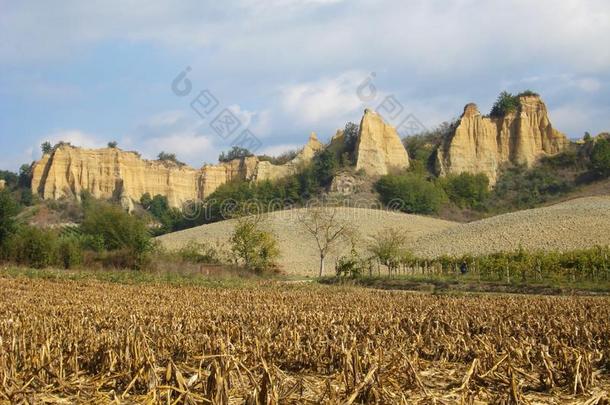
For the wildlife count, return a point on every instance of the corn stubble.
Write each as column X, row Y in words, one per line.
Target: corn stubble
column 66, row 342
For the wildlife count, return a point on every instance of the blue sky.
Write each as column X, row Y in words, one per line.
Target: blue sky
column 89, row 74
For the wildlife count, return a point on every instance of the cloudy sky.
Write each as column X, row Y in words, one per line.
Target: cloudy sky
column 89, row 74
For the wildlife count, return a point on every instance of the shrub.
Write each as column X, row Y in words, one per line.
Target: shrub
column 70, row 252
column 350, row 266
column 199, row 253
column 117, row 229
column 466, row 189
column 34, row 247
column 600, row 157
column 8, row 210
column 281, row 159
column 411, row 192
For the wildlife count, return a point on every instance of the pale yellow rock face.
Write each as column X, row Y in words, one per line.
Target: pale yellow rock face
column 379, row 150
column 111, row 173
column 269, row 171
column 483, row 145
column 2, row 185
column 124, row 176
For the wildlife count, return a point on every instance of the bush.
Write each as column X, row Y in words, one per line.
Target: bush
column 519, row 187
column 466, row 189
column 8, row 210
column 350, row 266
column 252, row 246
column 194, row 252
column 600, row 157
column 70, row 252
column 34, row 247
column 410, row 193
column 117, row 230
column 281, row 159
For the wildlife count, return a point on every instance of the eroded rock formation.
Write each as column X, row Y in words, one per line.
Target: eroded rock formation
column 2, row 184
column 124, row 176
column 484, row 144
column 379, row 150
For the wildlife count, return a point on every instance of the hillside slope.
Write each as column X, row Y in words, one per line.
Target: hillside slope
column 298, row 250
column 574, row 224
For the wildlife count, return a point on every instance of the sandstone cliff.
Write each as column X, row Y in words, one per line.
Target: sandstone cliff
column 269, row 171
column 379, row 150
column 112, row 173
column 2, row 184
column 484, row 144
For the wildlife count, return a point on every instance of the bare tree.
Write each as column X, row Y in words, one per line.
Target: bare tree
column 327, row 229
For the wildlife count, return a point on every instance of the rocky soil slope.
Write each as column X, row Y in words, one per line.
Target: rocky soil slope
column 580, row 223
column 298, row 250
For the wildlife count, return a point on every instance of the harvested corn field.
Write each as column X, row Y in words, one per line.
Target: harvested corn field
column 88, row 341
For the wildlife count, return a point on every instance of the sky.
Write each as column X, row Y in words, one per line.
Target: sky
column 92, row 72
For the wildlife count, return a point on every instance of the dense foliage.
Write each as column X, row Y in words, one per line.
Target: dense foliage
column 467, row 190
column 410, row 193
column 600, row 157
column 254, row 247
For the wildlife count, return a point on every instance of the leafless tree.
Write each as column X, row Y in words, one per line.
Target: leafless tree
column 327, row 229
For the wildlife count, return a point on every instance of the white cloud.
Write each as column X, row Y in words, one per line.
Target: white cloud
column 75, row 137
column 312, row 103
column 277, row 150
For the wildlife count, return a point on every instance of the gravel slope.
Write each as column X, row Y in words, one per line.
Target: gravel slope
column 299, row 254
column 575, row 224
column 579, row 223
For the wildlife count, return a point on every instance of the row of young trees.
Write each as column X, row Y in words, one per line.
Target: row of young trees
column 387, row 250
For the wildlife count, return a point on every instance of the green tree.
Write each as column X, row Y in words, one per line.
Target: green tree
column 46, row 148
column 113, row 144
column 169, row 157
column 325, row 167
column 252, row 246
column 600, row 157
column 236, row 152
column 506, row 103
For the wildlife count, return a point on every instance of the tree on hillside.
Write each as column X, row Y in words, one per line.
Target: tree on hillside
column 46, row 148
column 327, row 229
column 351, row 133
column 236, row 152
column 600, row 157
column 253, row 246
column 169, row 157
column 388, row 248
column 506, row 103
column 113, row 144
column 8, row 210
column 325, row 167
